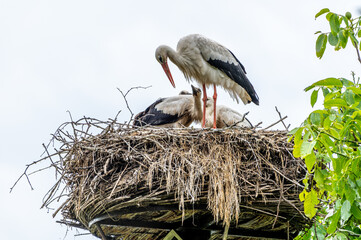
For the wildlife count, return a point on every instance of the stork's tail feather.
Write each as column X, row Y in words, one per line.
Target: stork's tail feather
column 255, row 98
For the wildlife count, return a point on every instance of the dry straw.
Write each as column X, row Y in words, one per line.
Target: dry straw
column 105, row 166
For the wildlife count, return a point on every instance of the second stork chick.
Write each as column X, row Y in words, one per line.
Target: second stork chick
column 173, row 112
column 226, row 117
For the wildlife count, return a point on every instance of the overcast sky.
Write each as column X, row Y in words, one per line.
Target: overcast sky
column 65, row 55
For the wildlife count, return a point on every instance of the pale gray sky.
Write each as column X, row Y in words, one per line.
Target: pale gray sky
column 72, row 55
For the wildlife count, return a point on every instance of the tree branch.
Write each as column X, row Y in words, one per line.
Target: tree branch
column 126, row 101
column 357, row 50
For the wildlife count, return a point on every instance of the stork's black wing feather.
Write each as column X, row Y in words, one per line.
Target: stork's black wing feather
column 152, row 116
column 237, row 73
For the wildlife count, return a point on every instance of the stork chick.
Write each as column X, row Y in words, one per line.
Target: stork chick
column 226, row 117
column 172, row 112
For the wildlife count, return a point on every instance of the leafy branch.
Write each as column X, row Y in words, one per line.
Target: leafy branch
column 329, row 141
column 343, row 28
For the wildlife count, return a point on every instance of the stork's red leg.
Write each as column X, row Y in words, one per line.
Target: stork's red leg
column 214, row 107
column 204, row 106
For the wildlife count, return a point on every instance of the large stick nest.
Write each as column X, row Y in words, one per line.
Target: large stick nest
column 229, row 170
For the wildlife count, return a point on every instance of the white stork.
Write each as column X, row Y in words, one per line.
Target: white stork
column 177, row 111
column 226, row 117
column 208, row 62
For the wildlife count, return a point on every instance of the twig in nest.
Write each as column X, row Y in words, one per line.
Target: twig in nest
column 281, row 120
column 72, row 123
column 279, row 114
column 24, row 174
column 126, row 101
column 175, row 161
column 235, row 124
column 257, row 125
column 33, row 163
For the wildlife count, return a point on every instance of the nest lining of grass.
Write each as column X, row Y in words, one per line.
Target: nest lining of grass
column 119, row 166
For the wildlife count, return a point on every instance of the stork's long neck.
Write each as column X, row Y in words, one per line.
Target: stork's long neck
column 197, row 108
column 173, row 55
column 181, row 61
column 210, row 107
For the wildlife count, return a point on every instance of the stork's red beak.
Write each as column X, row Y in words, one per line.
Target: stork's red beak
column 167, row 72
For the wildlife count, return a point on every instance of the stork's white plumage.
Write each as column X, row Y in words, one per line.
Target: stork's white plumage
column 226, row 117
column 208, row 62
column 177, row 111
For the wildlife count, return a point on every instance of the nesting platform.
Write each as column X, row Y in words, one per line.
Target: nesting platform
column 140, row 183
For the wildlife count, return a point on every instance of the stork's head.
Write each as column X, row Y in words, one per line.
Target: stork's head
column 161, row 54
column 209, row 103
column 184, row 92
column 196, row 91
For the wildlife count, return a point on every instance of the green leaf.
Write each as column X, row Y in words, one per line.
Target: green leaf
column 314, row 96
column 355, row 210
column 298, row 135
column 306, row 148
column 359, row 33
column 332, row 117
column 356, row 113
column 328, row 16
column 341, row 236
column 332, row 39
column 349, row 97
column 346, row 82
column 297, row 150
column 357, row 126
column 327, row 123
column 354, row 39
column 327, row 140
column 327, row 82
column 311, row 201
column 298, row 141
column 318, row 177
column 334, row 221
column 320, row 232
column 345, row 20
column 349, row 191
column 331, row 95
column 310, row 161
column 338, row 102
column 315, row 118
column 355, row 90
column 302, row 195
column 345, row 210
column 322, row 11
column 334, row 24
column 343, row 36
column 338, row 125
column 334, row 133
column 358, row 181
column 336, row 164
column 325, row 92
column 355, row 167
column 321, row 45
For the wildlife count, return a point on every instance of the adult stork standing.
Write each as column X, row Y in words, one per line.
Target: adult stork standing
column 209, row 63
column 226, row 117
column 176, row 111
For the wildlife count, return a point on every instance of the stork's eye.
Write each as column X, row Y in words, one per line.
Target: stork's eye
column 160, row 59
